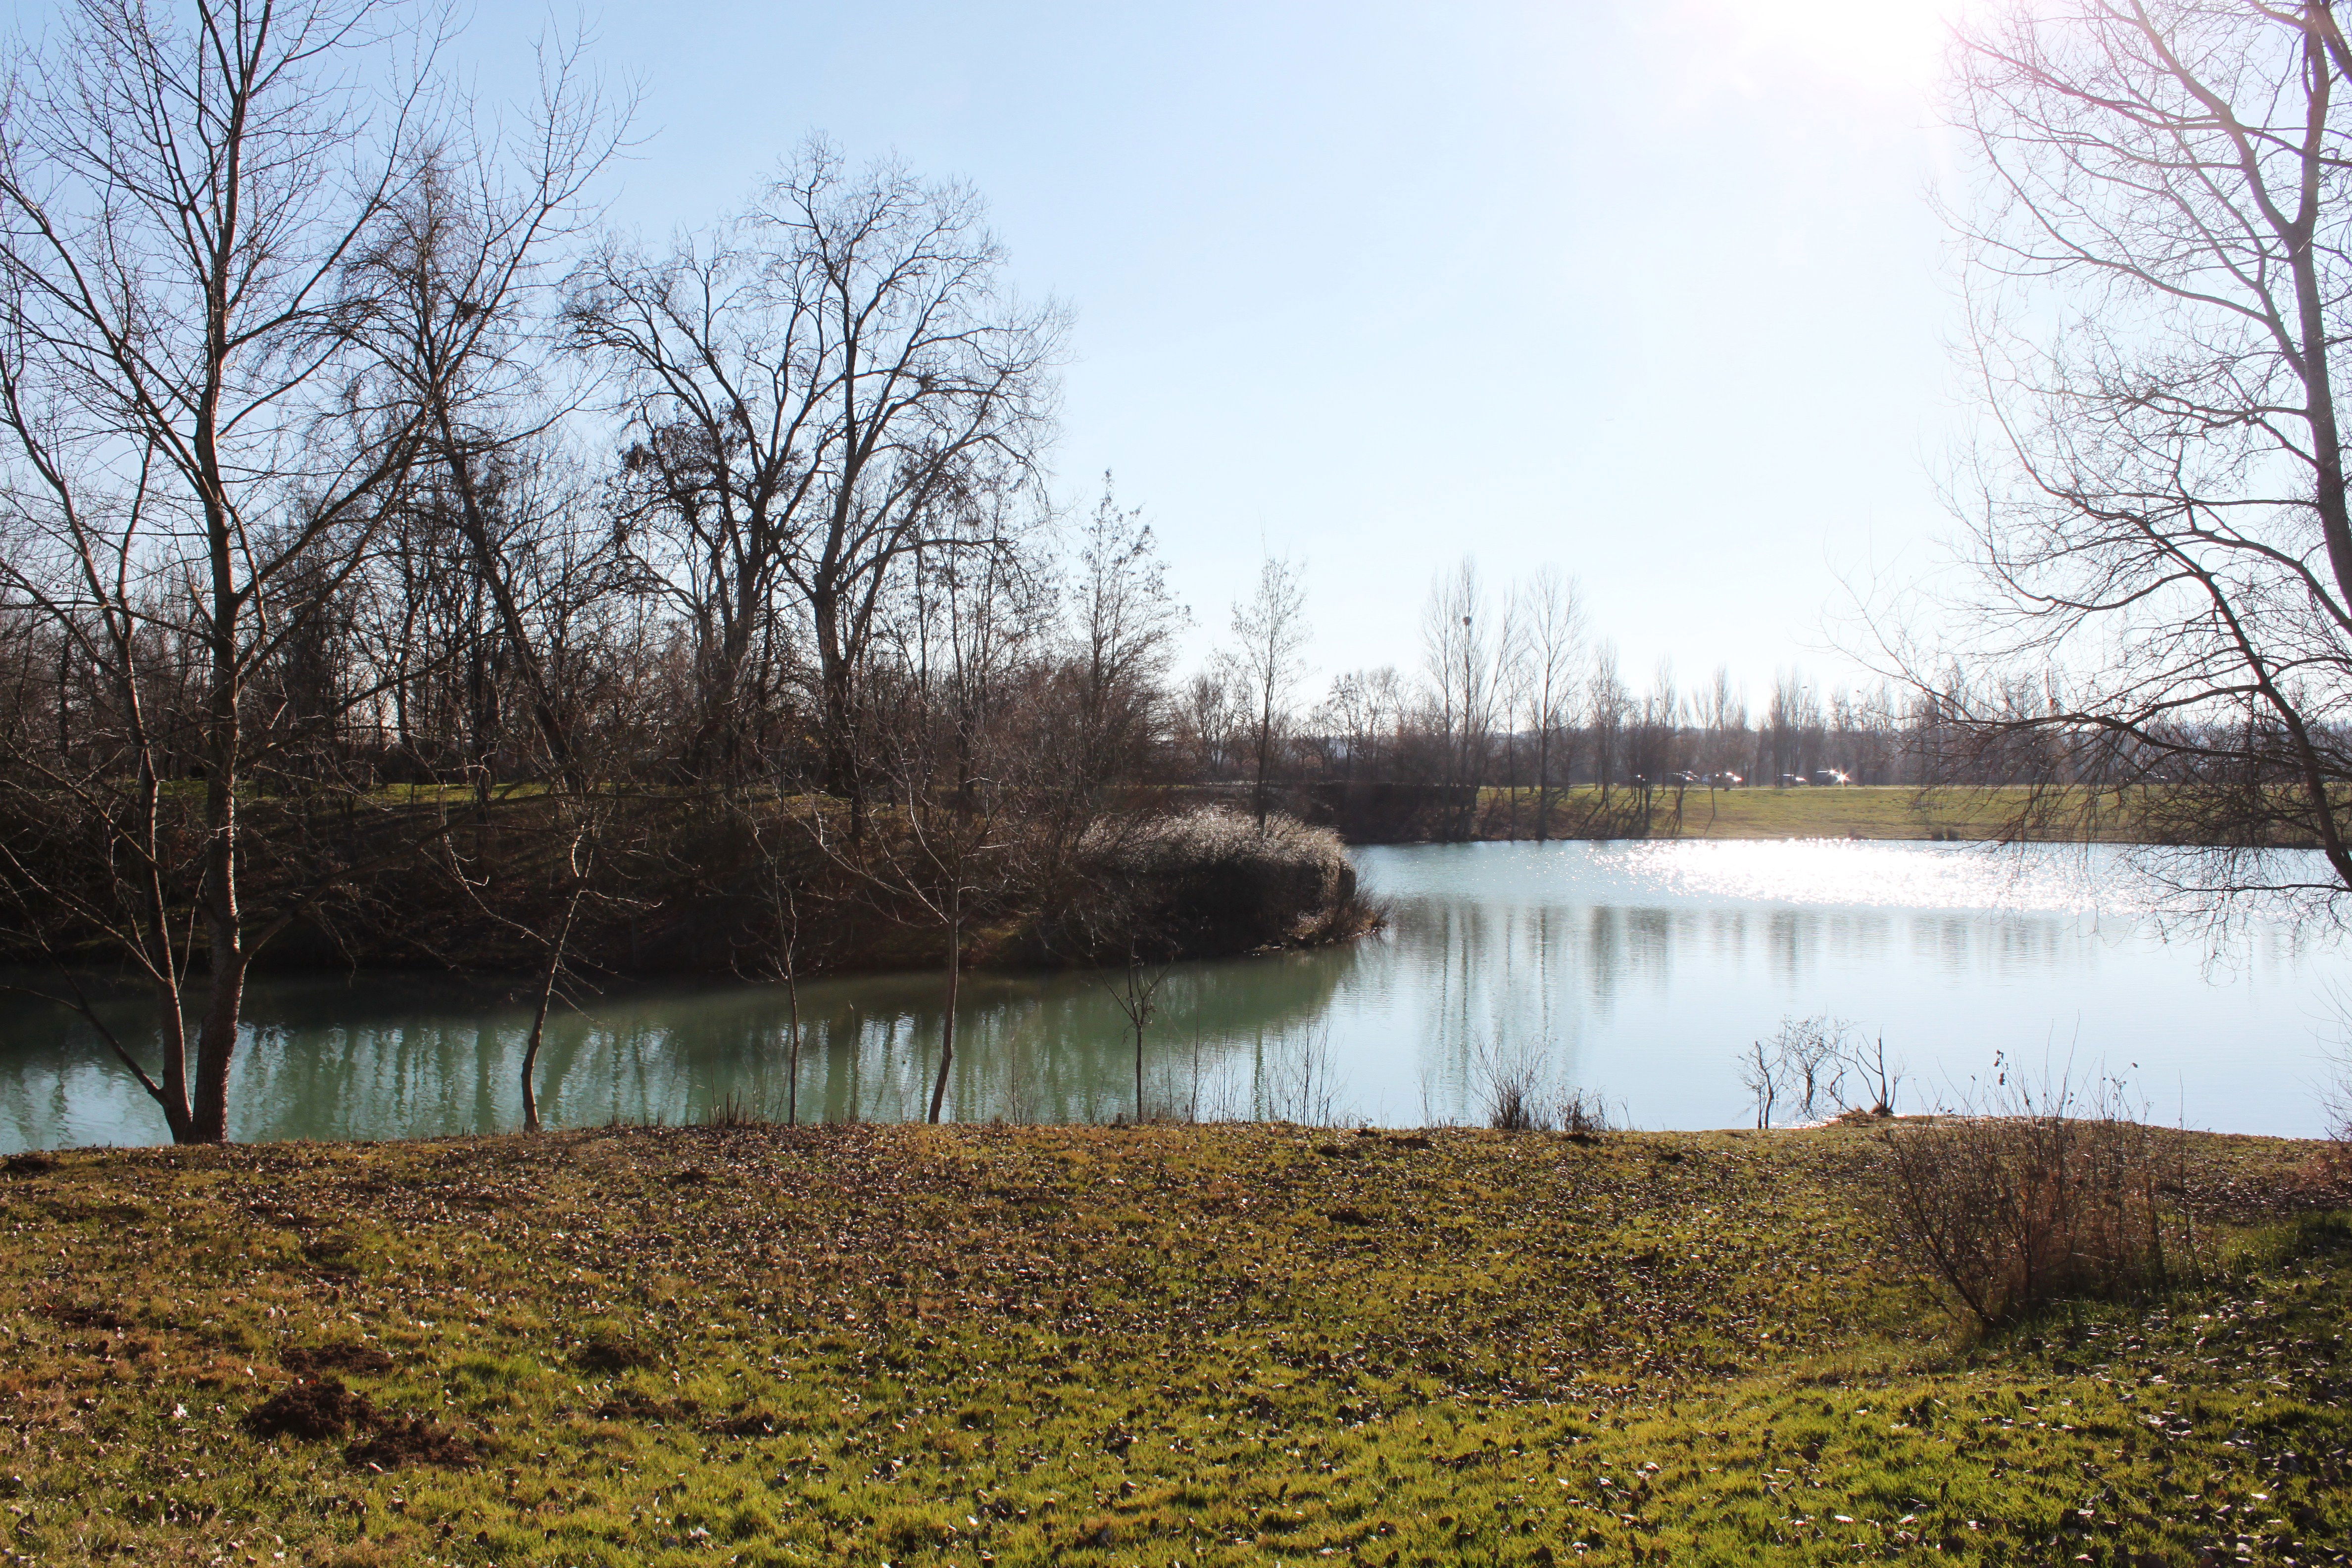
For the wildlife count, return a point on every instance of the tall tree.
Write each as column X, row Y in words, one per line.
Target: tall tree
column 818, row 391
column 1461, row 644
column 2158, row 275
column 446, row 296
column 198, row 460
column 1555, row 637
column 1269, row 653
column 1606, row 702
column 1124, row 622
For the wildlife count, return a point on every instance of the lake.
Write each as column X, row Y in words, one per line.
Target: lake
column 1636, row 971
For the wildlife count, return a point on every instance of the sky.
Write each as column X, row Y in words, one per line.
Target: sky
column 1652, row 290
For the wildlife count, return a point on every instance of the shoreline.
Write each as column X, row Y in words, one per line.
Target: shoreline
column 1932, row 813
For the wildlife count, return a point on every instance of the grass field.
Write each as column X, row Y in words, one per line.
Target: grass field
column 1217, row 1345
column 1845, row 811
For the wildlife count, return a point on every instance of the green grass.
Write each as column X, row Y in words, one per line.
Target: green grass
column 1845, row 811
column 1217, row 1345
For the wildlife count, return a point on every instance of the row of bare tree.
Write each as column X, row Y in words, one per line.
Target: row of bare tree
column 1514, row 693
column 2154, row 582
column 305, row 560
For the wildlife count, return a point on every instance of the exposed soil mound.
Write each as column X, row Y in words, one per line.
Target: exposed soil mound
column 608, row 1353
column 74, row 1315
column 310, row 1411
column 317, row 1361
column 753, row 1422
column 412, row 1443
column 630, row 1404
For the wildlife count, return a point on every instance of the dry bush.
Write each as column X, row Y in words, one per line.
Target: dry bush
column 2335, row 1163
column 1510, row 1082
column 1514, row 1103
column 1520, row 1095
column 1213, row 881
column 734, row 1113
column 1301, row 1085
column 2036, row 1198
column 1580, row 1114
column 1803, row 1069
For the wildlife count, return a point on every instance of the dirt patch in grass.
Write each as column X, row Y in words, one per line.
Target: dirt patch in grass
column 310, row 1411
column 345, row 1356
column 605, row 1354
column 411, row 1443
column 79, row 1315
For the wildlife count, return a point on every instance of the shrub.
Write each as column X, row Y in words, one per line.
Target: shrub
column 2336, row 1160
column 1583, row 1115
column 1211, row 881
column 733, row 1113
column 1521, row 1096
column 1804, row 1068
column 2021, row 1204
column 1514, row 1103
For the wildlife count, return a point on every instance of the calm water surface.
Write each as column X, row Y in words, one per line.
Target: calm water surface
column 1635, row 971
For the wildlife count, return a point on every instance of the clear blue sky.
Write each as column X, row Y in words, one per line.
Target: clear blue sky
column 1650, row 289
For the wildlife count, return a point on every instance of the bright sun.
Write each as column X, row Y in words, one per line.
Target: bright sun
column 1890, row 44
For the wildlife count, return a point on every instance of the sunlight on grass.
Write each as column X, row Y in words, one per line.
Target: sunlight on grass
column 1096, row 1346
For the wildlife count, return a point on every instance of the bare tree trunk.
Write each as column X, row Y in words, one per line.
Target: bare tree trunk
column 223, row 920
column 838, row 718
column 947, row 1032
column 1543, row 782
column 793, row 1046
column 538, row 1019
column 215, row 1046
column 1265, row 747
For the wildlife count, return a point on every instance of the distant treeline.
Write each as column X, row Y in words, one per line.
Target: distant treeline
column 1512, row 695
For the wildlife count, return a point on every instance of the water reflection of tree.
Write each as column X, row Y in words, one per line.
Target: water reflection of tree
column 60, row 1084
column 426, row 1054
column 387, row 1056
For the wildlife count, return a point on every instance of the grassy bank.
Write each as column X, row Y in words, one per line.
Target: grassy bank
column 693, row 883
column 1845, row 811
column 1100, row 1346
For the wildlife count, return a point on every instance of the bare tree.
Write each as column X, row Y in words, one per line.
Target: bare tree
column 445, row 295
column 1121, row 639
column 1655, row 741
column 1607, row 702
column 1361, row 717
column 817, row 391
column 1761, row 1071
column 1461, row 642
column 198, row 460
column 580, row 824
column 1723, row 714
column 1792, row 724
column 1514, row 680
column 2158, row 274
column 1137, row 997
column 962, row 782
column 1210, row 721
column 1554, row 639
column 1269, row 658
